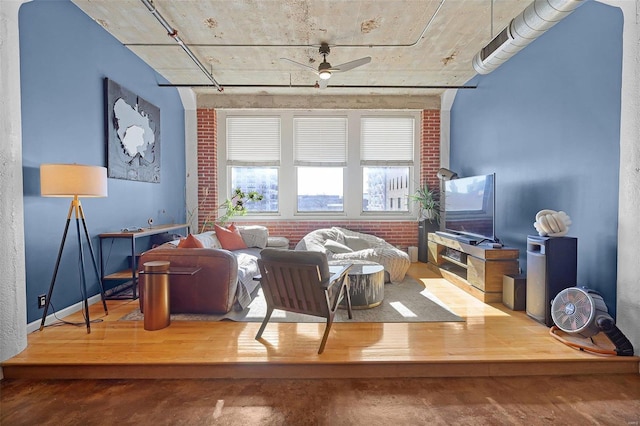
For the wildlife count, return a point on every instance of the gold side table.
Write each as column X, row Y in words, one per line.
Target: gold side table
column 156, row 304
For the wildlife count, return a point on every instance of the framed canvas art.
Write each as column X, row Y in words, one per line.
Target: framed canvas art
column 133, row 135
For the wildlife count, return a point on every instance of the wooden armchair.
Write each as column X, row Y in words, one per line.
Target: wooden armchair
column 300, row 281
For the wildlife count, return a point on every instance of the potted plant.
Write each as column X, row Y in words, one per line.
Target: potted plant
column 235, row 206
column 429, row 202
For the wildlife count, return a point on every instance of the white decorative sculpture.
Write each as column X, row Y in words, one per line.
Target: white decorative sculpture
column 552, row 223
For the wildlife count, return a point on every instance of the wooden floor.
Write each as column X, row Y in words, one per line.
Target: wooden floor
column 470, row 401
column 493, row 341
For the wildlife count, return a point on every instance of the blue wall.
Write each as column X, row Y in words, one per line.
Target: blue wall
column 65, row 57
column 547, row 122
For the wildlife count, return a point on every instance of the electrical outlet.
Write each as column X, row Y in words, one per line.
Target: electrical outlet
column 42, row 300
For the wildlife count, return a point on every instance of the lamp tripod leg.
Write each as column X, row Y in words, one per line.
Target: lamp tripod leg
column 83, row 278
column 55, row 269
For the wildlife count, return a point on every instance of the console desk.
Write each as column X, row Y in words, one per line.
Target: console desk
column 476, row 269
column 131, row 273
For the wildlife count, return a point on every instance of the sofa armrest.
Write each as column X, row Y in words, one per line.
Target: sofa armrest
column 278, row 242
column 211, row 290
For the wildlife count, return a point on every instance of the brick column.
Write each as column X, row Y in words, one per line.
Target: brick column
column 430, row 148
column 207, row 165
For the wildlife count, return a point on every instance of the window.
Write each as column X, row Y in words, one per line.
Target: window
column 320, row 155
column 263, row 180
column 386, row 156
column 320, row 163
column 253, row 154
column 320, row 189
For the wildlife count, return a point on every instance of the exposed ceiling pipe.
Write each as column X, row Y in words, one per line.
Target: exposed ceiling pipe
column 311, row 86
column 534, row 21
column 315, row 46
column 173, row 33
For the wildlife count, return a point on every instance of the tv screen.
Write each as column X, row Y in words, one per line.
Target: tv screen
column 469, row 206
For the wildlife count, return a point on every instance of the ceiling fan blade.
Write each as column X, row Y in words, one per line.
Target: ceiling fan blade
column 322, row 84
column 351, row 65
column 300, row 65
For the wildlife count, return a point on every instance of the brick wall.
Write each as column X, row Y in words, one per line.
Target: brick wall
column 430, row 152
column 207, row 163
column 401, row 234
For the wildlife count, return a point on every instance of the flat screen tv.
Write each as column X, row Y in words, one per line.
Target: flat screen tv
column 469, row 205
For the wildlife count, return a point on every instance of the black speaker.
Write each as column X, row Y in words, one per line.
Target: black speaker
column 424, row 228
column 514, row 291
column 552, row 266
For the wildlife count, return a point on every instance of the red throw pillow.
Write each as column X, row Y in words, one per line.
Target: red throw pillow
column 230, row 238
column 190, row 242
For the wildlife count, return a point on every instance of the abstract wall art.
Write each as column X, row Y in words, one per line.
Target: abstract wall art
column 133, row 135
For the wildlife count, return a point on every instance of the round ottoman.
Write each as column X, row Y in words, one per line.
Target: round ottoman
column 366, row 282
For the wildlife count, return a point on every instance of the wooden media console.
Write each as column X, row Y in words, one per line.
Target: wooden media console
column 476, row 269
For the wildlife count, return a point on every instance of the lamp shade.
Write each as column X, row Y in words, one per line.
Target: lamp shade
column 446, row 174
column 69, row 180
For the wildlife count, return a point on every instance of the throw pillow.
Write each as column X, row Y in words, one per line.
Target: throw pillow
column 160, row 239
column 208, row 240
column 230, row 238
column 336, row 247
column 190, row 242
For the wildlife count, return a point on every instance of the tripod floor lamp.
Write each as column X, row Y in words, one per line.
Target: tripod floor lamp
column 75, row 181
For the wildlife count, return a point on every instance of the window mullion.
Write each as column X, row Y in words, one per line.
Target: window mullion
column 287, row 182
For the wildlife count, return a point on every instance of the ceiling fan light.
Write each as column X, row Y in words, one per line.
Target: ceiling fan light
column 324, row 74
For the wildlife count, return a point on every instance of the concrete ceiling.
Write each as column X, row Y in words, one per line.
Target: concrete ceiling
column 417, row 47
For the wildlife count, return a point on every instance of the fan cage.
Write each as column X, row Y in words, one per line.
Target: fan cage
column 573, row 310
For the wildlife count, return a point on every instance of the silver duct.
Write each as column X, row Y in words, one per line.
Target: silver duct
column 537, row 18
column 173, row 33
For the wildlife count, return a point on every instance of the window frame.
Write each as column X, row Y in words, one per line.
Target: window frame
column 287, row 173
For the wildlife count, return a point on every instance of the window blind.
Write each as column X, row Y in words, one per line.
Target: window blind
column 386, row 141
column 253, row 141
column 320, row 141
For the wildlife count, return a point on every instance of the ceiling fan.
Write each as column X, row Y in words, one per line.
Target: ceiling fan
column 325, row 69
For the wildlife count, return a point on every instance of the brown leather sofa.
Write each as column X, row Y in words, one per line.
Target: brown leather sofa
column 212, row 290
column 225, row 280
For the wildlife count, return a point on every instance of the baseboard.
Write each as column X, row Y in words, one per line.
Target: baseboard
column 35, row 325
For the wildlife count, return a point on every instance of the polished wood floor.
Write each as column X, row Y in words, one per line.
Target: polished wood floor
column 472, row 401
column 493, row 341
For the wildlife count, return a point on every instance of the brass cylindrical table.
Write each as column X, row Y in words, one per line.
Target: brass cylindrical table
column 156, row 295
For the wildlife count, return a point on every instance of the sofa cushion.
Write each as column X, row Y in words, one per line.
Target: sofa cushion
column 278, row 242
column 190, row 242
column 254, row 235
column 336, row 247
column 230, row 238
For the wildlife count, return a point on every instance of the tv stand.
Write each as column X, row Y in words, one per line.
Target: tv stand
column 477, row 269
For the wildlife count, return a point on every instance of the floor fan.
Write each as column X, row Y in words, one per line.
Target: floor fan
column 582, row 311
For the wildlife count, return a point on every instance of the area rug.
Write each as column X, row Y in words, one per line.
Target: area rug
column 407, row 301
